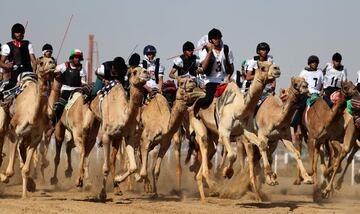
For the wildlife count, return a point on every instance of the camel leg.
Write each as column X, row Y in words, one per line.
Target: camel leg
column 241, row 151
column 106, row 168
column 262, row 143
column 250, row 154
column 224, row 139
column 348, row 162
column 164, row 146
column 145, row 144
column 69, row 146
column 79, row 142
column 59, row 138
column 298, row 147
column 130, row 151
column 307, row 179
column 177, row 151
column 350, row 137
column 114, row 152
column 25, row 171
column 12, row 151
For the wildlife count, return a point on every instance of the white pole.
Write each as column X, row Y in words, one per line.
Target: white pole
column 352, row 171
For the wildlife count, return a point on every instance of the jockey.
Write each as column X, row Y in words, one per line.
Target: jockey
column 47, row 51
column 109, row 70
column 334, row 74
column 155, row 69
column 239, row 77
column 73, row 76
column 186, row 64
column 314, row 77
column 217, row 63
column 17, row 56
column 262, row 49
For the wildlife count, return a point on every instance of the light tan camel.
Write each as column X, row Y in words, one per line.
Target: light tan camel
column 118, row 116
column 160, row 123
column 4, row 126
column 272, row 124
column 28, row 122
column 231, row 109
column 80, row 121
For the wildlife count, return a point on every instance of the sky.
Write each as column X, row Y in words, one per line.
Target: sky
column 294, row 29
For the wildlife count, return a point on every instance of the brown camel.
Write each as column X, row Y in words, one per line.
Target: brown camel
column 119, row 120
column 323, row 124
column 160, row 123
column 231, row 109
column 272, row 124
column 28, row 122
column 80, row 121
column 351, row 134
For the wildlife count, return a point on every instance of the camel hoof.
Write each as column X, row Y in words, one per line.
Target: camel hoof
column 102, row 196
column 325, row 194
column 68, row 173
column 228, row 172
column 154, row 196
column 80, row 183
column 297, row 182
column 31, row 186
column 138, row 178
column 214, row 194
column 54, row 180
column 45, row 164
column 357, row 178
column 4, row 178
column 308, row 180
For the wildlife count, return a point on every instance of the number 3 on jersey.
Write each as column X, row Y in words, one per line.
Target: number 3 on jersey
column 218, row 66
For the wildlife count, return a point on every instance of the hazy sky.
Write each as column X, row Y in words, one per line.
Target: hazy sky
column 294, row 29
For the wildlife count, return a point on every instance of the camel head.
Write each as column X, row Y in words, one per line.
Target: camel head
column 348, row 89
column 299, row 85
column 45, row 68
column 138, row 77
column 186, row 91
column 267, row 71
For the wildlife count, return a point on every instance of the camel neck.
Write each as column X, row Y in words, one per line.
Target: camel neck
column 254, row 94
column 288, row 109
column 177, row 111
column 135, row 101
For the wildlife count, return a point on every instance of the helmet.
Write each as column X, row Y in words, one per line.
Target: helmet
column 214, row 33
column 337, row 57
column 17, row 28
column 312, row 59
column 188, row 46
column 76, row 52
column 149, row 49
column 263, row 46
column 47, row 47
column 119, row 64
column 134, row 60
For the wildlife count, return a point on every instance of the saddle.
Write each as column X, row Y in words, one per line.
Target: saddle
column 220, row 89
column 10, row 94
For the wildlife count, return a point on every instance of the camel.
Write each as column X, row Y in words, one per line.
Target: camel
column 80, row 121
column 272, row 124
column 231, row 109
column 4, row 126
column 160, row 123
column 118, row 118
column 321, row 124
column 28, row 122
column 350, row 133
